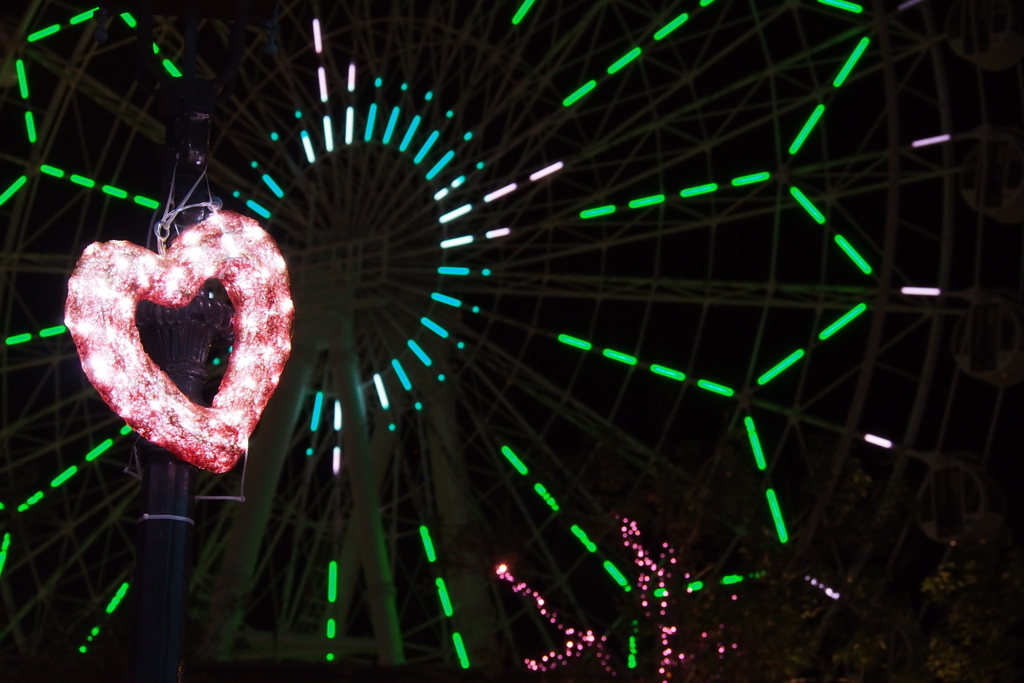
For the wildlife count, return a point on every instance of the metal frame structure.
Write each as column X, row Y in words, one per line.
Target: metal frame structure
column 718, row 284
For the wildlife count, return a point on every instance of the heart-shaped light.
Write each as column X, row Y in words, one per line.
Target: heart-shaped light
column 103, row 293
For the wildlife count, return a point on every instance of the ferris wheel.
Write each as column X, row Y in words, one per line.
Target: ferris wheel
column 518, row 234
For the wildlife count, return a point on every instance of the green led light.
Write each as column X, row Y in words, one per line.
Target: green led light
column 129, row 19
column 774, row 372
column 115, row 192
column 460, row 648
column 3, row 550
column 402, row 377
column 624, row 60
column 116, row 600
column 84, row 16
column 851, row 62
column 257, row 208
column 671, row 26
column 523, row 9
column 52, row 331
column 30, row 126
column 695, row 586
column 716, row 388
column 171, row 69
column 274, row 187
column 842, row 322
column 647, row 201
column 84, row 182
column 126, row 430
column 331, row 628
column 318, row 407
column 573, row 341
column 15, row 186
column 731, row 579
column 668, row 372
column 575, row 97
column 442, row 592
column 548, row 498
column 444, row 299
column 18, row 339
column 514, row 459
column 39, row 35
column 806, row 130
column 806, row 203
column 750, row 179
column 780, row 526
column 38, row 496
column 440, row 165
column 619, row 356
column 95, row 631
column 584, row 539
column 700, row 189
column 842, row 4
column 452, row 270
column 146, row 202
column 705, row 3
column 50, row 170
column 660, row 593
column 329, row 657
column 631, row 662
column 22, row 78
column 755, row 443
column 420, row 353
column 599, row 211
column 64, row 476
column 332, row 581
column 616, row 574
column 434, row 327
column 82, row 649
column 428, row 544
column 426, row 147
column 409, row 133
column 99, row 450
column 852, row 253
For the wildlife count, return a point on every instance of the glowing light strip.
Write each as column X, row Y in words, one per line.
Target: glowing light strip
column 409, row 133
column 775, row 371
column 15, row 186
column 619, row 356
column 808, row 207
column 806, row 130
column 257, row 208
column 30, row 127
column 547, row 497
column 332, row 581
column 336, row 460
column 921, row 291
column 501, row 192
column 842, row 322
column 447, row 300
column 700, row 189
column 452, row 215
column 460, row 648
column 100, row 449
column 671, row 26
column 546, row 171
column 22, row 78
column 441, row 194
column 307, row 144
column 84, row 16
column 274, row 187
column 780, row 525
column 64, row 476
column 322, row 75
column 848, row 67
column 514, row 459
column 402, row 377
column 434, row 327
column 715, row 388
column 453, row 270
column 500, row 232
column 3, row 550
column 575, row 97
column 42, row 33
column 584, row 539
column 350, row 124
column 749, row 179
column 852, row 253
column 428, row 544
column 818, row 584
column 351, row 77
column 318, row 43
column 318, row 407
column 755, row 443
column 420, row 353
column 337, row 416
column 523, row 9
column 426, row 147
column 924, row 142
column 617, row 575
column 456, row 241
column 439, row 165
column 646, row 201
column 391, row 126
column 667, row 372
column 878, row 441
column 381, row 394
column 370, row 118
column 598, row 211
column 116, row 600
column 843, row 5
column 573, row 341
column 624, row 60
column 442, row 593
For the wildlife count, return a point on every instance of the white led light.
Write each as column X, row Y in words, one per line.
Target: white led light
column 501, row 192
column 547, row 170
column 328, row 134
column 878, row 441
column 381, row 394
column 322, row 74
column 921, row 291
column 336, row 464
column 351, row 77
column 307, row 145
column 924, row 142
column 500, row 232
column 337, row 416
column 456, row 241
column 350, row 116
column 318, row 44
column 441, row 194
column 452, row 215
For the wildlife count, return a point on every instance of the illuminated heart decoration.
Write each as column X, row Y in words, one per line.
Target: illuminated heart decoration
column 103, row 293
